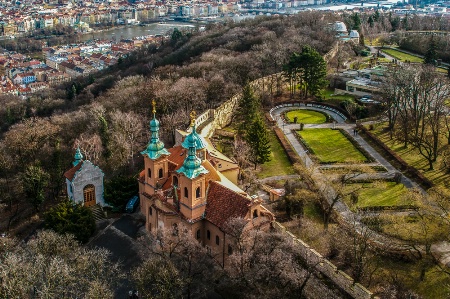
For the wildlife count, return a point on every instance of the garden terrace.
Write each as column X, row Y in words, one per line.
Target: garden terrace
column 331, row 146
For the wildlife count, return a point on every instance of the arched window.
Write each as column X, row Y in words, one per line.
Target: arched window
column 255, row 213
column 198, row 234
column 161, row 173
column 217, row 240
column 149, row 173
column 89, row 195
column 175, row 181
column 186, row 193
column 150, row 211
column 198, row 192
column 230, row 250
column 208, row 235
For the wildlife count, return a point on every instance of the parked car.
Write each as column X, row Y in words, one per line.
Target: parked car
column 132, row 204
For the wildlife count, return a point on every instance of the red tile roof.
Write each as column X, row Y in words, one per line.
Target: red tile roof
column 69, row 174
column 224, row 204
column 177, row 155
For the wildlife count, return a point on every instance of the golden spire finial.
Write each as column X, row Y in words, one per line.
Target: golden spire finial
column 154, row 106
column 193, row 116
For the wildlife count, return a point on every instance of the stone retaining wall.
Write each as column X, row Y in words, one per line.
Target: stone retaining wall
column 324, row 266
column 309, row 104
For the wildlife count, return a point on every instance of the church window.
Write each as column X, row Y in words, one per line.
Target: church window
column 230, row 250
column 186, row 193
column 208, row 235
column 149, row 173
column 161, row 173
column 150, row 211
column 198, row 192
column 89, row 195
column 175, row 181
column 217, row 240
column 255, row 213
column 198, row 234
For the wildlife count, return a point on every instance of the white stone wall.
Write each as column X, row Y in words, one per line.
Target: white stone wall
column 88, row 174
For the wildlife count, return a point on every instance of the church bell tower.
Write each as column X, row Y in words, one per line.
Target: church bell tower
column 155, row 158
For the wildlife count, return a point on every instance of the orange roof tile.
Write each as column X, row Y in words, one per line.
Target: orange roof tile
column 177, row 155
column 69, row 174
column 224, row 204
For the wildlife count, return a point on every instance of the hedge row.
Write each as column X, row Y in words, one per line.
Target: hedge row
column 405, row 167
column 388, row 208
column 292, row 155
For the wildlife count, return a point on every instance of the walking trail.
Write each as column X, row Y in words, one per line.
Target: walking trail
column 350, row 219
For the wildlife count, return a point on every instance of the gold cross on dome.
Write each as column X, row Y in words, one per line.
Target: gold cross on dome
column 154, row 106
column 193, row 116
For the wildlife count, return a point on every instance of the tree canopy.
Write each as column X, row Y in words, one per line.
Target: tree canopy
column 71, row 218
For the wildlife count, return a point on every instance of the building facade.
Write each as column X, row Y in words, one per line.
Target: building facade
column 184, row 186
column 84, row 182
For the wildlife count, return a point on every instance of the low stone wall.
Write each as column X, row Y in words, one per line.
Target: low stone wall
column 336, row 110
column 325, row 267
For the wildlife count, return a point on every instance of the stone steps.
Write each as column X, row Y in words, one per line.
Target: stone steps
column 98, row 213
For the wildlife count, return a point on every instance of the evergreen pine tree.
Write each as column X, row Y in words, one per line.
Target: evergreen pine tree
column 258, row 140
column 431, row 54
column 313, row 70
column 248, row 107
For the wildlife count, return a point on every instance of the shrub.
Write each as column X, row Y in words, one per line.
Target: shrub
column 75, row 219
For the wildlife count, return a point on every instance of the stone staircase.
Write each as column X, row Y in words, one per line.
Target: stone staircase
column 98, row 213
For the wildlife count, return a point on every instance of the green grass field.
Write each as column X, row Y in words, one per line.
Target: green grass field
column 329, row 97
column 279, row 163
column 376, row 194
column 412, row 156
column 402, row 56
column 331, row 146
column 306, row 116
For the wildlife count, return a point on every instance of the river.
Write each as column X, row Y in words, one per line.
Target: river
column 128, row 32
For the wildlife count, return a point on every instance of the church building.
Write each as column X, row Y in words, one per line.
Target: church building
column 84, row 182
column 184, row 185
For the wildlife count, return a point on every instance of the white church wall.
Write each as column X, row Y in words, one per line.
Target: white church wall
column 88, row 174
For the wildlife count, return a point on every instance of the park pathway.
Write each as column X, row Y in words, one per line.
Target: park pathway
column 350, row 219
column 340, row 124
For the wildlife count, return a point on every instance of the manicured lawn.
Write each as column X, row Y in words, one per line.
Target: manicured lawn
column 306, row 116
column 331, row 146
column 329, row 97
column 402, row 56
column 376, row 194
column 412, row 156
column 279, row 163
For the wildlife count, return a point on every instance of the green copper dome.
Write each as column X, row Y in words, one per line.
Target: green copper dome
column 200, row 142
column 78, row 157
column 155, row 147
column 192, row 165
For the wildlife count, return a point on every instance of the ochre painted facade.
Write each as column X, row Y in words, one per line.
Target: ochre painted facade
column 184, row 186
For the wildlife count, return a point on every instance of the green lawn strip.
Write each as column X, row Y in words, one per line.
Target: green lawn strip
column 328, row 96
column 306, row 116
column 331, row 146
column 279, row 163
column 376, row 194
column 402, row 56
column 412, row 156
